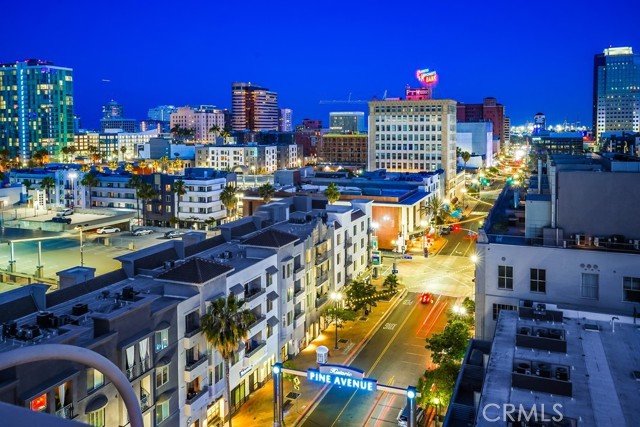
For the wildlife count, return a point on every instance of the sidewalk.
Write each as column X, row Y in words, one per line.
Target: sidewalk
column 258, row 410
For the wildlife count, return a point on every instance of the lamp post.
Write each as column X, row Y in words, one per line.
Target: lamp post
column 72, row 176
column 436, row 401
column 81, row 228
column 464, row 192
column 336, row 297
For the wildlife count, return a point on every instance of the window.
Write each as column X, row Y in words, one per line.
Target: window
column 39, row 404
column 269, row 279
column 631, row 289
column 505, row 277
column 96, row 418
column 218, row 373
column 269, row 305
column 498, row 307
column 162, row 411
column 95, row 379
column 538, row 280
column 162, row 375
column 589, row 287
column 162, row 339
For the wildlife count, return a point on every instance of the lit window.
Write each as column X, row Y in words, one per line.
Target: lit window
column 95, row 379
column 162, row 411
column 162, row 339
column 162, row 376
column 39, row 404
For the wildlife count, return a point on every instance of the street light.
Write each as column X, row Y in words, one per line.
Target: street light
column 459, row 310
column 336, row 297
column 474, row 258
column 72, row 176
column 436, row 401
column 81, row 228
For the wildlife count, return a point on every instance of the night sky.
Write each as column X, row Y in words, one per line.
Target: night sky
column 531, row 56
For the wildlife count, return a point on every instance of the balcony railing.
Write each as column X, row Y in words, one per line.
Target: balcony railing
column 145, row 400
column 66, row 412
column 191, row 330
column 298, row 292
column 193, row 364
column 298, row 314
column 253, row 347
column 322, row 279
column 192, row 396
column 253, row 294
column 259, row 319
column 320, row 258
column 298, row 269
column 321, row 300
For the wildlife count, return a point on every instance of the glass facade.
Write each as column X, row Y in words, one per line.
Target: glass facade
column 36, row 108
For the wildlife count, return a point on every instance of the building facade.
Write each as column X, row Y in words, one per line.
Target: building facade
column 413, row 136
column 253, row 107
column 36, row 108
column 616, row 91
column 347, row 122
column 490, row 111
column 285, row 120
column 347, row 149
column 250, row 158
column 201, row 120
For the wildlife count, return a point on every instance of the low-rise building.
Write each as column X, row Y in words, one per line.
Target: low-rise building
column 344, row 149
column 251, row 158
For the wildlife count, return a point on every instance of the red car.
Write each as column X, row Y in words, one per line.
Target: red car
column 426, row 298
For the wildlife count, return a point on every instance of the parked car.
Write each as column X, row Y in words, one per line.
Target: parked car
column 403, row 416
column 61, row 219
column 108, row 230
column 141, row 231
column 445, row 231
column 66, row 212
column 426, row 298
column 173, row 234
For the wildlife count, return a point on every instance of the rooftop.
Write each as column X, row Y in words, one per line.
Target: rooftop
column 271, row 238
column 195, row 270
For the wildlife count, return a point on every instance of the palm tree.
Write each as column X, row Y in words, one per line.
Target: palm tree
column 215, row 130
column 178, row 164
column 155, row 165
column 146, row 192
column 85, row 168
column 179, row 189
column 123, row 150
column 266, row 191
column 113, row 165
column 229, row 198
column 226, row 326
column 128, row 167
column 41, row 156
column 332, row 193
column 5, row 157
column 90, row 180
column 164, row 163
column 47, row 183
column 465, row 158
column 136, row 182
column 435, row 209
column 65, row 152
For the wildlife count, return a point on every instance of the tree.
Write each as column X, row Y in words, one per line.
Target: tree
column 113, row 166
column 179, row 189
column 178, row 164
column 361, row 295
column 434, row 208
column 332, row 193
column 48, row 183
column 123, row 150
column 41, row 156
column 342, row 315
column 465, row 158
column 226, row 325
column 391, row 282
column 85, row 168
column 438, row 383
column 136, row 182
column 128, row 167
column 229, row 198
column 155, row 165
column 90, row 180
column 215, row 130
column 266, row 191
column 5, row 158
column 146, row 192
column 451, row 344
column 27, row 184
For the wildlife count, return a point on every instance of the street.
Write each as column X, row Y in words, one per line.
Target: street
column 395, row 355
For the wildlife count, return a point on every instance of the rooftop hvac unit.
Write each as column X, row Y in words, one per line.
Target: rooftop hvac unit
column 596, row 241
column 578, row 239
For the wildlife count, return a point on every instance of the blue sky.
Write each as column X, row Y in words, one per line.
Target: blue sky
column 532, row 56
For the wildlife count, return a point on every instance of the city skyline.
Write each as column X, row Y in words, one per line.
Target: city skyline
column 549, row 71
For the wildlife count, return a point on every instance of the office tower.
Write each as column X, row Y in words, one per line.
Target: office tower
column 112, row 109
column 113, row 119
column 161, row 113
column 413, row 136
column 616, row 91
column 285, row 120
column 347, row 121
column 253, row 107
column 36, row 107
column 489, row 110
column 201, row 120
column 539, row 123
column 507, row 131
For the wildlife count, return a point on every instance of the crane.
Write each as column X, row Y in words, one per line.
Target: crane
column 349, row 100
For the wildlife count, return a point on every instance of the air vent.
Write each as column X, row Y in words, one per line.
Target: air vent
column 593, row 328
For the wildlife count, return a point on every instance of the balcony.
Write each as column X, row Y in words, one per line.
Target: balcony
column 253, row 347
column 257, row 322
column 320, row 301
column 194, row 396
column 298, row 292
column 66, row 412
column 191, row 330
column 320, row 258
column 298, row 269
column 348, row 241
column 138, row 369
column 298, row 320
column 190, row 365
column 145, row 400
column 322, row 279
column 253, row 294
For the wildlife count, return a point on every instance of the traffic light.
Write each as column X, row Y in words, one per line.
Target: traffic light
column 456, row 227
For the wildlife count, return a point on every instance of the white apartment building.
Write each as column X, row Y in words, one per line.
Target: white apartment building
column 413, row 136
column 131, row 142
column 200, row 119
column 202, row 201
column 249, row 158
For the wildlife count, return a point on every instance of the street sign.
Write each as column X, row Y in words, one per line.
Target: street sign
column 376, row 257
column 407, row 257
column 394, row 271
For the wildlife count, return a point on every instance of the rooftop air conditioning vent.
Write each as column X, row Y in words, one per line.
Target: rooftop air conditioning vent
column 592, row 328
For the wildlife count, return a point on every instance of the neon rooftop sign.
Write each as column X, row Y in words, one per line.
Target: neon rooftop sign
column 427, row 77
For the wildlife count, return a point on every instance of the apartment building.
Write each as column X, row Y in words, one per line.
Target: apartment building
column 201, row 120
column 344, row 149
column 549, row 243
column 249, row 158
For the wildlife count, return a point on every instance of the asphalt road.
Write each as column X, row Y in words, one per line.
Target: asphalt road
column 395, row 355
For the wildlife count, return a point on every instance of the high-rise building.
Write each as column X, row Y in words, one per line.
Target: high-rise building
column 489, row 110
column 161, row 113
column 113, row 119
column 347, row 121
column 413, row 136
column 285, row 120
column 36, row 107
column 616, row 91
column 253, row 107
column 112, row 109
column 539, row 123
column 201, row 120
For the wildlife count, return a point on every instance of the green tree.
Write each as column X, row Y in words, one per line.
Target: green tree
column 229, row 198
column 123, row 150
column 391, row 282
column 27, row 184
column 451, row 344
column 435, row 209
column 179, row 189
column 438, row 383
column 361, row 295
column 465, row 158
column 5, row 158
column 41, row 156
column 90, row 180
column 215, row 130
column 342, row 315
column 266, row 191
column 47, row 184
column 226, row 325
column 332, row 193
column 146, row 192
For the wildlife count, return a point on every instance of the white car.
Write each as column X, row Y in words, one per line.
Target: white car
column 142, row 231
column 108, row 230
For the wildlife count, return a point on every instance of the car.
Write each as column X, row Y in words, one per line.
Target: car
column 107, row 230
column 403, row 416
column 426, row 298
column 445, row 231
column 61, row 219
column 66, row 212
column 141, row 231
column 173, row 234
